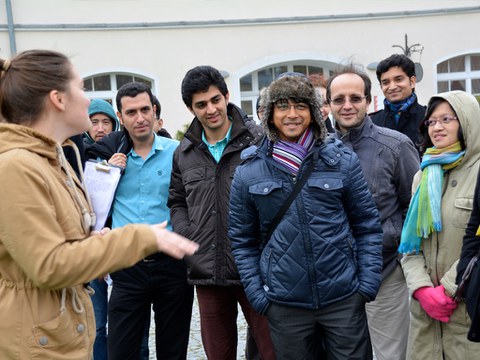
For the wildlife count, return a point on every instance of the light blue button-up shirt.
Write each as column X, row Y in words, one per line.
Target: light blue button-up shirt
column 217, row 149
column 142, row 192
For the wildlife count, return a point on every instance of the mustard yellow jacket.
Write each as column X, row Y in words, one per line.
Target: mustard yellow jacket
column 45, row 253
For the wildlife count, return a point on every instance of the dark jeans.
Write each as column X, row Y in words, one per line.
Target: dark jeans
column 296, row 332
column 218, row 319
column 163, row 283
column 100, row 307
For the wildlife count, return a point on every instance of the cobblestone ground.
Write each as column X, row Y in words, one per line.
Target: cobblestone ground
column 195, row 348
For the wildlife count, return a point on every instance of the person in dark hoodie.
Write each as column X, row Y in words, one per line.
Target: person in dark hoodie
column 103, row 119
column 312, row 273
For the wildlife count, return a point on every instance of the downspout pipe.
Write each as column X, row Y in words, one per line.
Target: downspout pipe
column 11, row 29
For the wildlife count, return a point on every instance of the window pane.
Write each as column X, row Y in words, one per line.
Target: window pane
column 247, row 106
column 123, row 79
column 457, row 64
column 442, row 68
column 246, row 83
column 315, row 70
column 265, row 77
column 300, row 68
column 475, row 86
column 88, row 84
column 458, row 85
column 475, row 62
column 280, row 70
column 102, row 83
column 442, row 86
column 143, row 81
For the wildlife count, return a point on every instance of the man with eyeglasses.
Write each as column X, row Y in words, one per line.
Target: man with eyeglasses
column 311, row 271
column 389, row 162
column 401, row 112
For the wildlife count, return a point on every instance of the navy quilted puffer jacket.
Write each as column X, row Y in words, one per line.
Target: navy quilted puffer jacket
column 328, row 244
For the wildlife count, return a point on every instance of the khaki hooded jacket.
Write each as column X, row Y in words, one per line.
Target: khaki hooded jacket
column 437, row 261
column 45, row 253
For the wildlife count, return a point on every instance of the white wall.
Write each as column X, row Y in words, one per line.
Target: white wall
column 166, row 51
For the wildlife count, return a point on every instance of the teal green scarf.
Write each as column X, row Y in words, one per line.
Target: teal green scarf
column 424, row 215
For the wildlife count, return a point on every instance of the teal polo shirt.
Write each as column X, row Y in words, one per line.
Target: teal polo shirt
column 217, row 149
column 142, row 192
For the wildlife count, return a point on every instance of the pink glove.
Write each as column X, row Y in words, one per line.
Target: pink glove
column 435, row 302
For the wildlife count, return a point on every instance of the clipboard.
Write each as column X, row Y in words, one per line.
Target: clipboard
column 101, row 180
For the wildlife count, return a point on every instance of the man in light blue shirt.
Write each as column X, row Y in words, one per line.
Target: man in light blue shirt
column 141, row 197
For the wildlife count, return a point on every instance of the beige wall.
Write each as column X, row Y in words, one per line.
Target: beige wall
column 167, row 51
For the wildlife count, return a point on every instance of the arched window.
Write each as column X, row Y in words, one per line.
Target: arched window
column 251, row 84
column 105, row 86
column 460, row 73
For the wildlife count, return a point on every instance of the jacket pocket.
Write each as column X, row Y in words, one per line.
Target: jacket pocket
column 327, row 184
column 352, row 248
column 268, row 196
column 193, row 175
column 462, row 210
column 325, row 193
column 66, row 335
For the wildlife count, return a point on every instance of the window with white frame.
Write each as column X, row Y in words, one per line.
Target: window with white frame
column 251, row 84
column 460, row 73
column 105, row 86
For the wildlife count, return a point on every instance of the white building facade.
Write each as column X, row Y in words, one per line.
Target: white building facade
column 112, row 42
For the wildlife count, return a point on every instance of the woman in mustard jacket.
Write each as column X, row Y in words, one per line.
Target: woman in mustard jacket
column 46, row 250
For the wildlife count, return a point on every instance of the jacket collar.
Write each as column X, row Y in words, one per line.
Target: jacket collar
column 241, row 126
column 355, row 134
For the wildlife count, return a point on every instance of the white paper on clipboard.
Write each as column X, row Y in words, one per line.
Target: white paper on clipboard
column 101, row 181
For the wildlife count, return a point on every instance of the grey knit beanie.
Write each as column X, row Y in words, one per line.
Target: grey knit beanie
column 296, row 87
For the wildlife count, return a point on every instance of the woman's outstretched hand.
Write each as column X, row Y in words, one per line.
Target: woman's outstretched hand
column 171, row 243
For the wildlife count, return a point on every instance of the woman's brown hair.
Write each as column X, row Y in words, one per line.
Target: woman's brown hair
column 26, row 81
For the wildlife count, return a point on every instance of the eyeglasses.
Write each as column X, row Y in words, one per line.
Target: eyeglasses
column 285, row 106
column 444, row 120
column 354, row 99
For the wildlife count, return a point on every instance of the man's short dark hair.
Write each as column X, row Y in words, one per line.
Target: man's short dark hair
column 402, row 61
column 199, row 79
column 132, row 89
column 158, row 110
column 356, row 70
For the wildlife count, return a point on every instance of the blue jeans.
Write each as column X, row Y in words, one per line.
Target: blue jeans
column 100, row 307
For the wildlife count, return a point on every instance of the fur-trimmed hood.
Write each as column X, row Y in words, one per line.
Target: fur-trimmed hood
column 297, row 87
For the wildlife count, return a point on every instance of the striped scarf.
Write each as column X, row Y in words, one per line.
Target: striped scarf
column 291, row 154
column 424, row 214
column 398, row 108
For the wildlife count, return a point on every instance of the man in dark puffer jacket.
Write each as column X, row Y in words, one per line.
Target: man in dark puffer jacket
column 203, row 166
column 324, row 259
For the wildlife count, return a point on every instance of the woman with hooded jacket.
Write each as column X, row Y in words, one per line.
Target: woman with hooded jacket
column 433, row 230
column 46, row 249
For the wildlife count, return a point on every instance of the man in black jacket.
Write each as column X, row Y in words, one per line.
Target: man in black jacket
column 203, row 167
column 401, row 112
